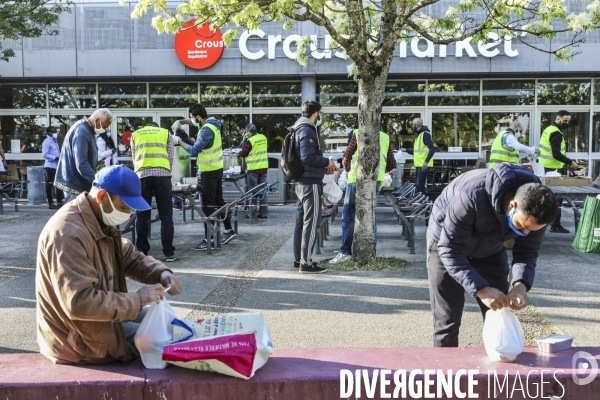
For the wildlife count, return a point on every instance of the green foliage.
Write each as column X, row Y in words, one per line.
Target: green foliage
column 28, row 18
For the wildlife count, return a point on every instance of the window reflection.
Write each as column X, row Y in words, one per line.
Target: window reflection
column 225, row 95
column 574, row 91
column 123, row 96
column 453, row 93
column 229, row 123
column 455, row 130
column 494, row 123
column 336, row 131
column 274, row 127
column 398, row 128
column 576, row 135
column 337, row 94
column 166, row 95
column 23, row 133
column 508, row 92
column 80, row 96
column 22, row 96
column 276, row 95
column 596, row 133
column 404, row 94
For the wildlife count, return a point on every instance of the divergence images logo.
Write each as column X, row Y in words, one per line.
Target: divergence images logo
column 586, row 365
column 198, row 47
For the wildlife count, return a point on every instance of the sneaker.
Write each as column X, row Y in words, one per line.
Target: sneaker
column 340, row 258
column 53, row 207
column 263, row 217
column 559, row 229
column 171, row 258
column 203, row 245
column 227, row 236
column 312, row 269
column 177, row 208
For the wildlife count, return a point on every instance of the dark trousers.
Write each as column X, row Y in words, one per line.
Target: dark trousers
column 212, row 195
column 308, row 218
column 421, row 180
column 254, row 180
column 160, row 188
column 50, row 175
column 556, row 221
column 448, row 296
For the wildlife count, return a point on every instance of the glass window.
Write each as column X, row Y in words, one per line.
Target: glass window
column 229, row 134
column 336, row 131
column 574, row 91
column 398, row 128
column 122, row 95
column 494, row 123
column 103, row 27
column 225, row 95
column 595, row 169
column 79, row 96
column 596, row 133
column 22, row 96
column 338, row 94
column 125, row 127
column 576, row 135
column 404, row 94
column 23, row 133
column 166, row 95
column 276, row 94
column 456, row 130
column 453, row 93
column 596, row 91
column 274, row 127
column 509, row 92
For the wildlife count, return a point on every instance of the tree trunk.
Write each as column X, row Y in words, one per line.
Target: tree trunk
column 371, row 92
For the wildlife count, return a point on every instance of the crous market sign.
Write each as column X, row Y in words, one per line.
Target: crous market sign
column 198, row 47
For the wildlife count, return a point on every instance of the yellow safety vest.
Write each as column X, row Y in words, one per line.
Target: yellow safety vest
column 384, row 144
column 257, row 158
column 546, row 157
column 151, row 148
column 211, row 159
column 420, row 151
column 500, row 153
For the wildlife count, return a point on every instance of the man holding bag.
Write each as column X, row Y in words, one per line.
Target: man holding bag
column 469, row 223
column 84, row 313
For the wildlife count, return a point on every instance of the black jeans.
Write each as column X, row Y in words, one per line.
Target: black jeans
column 160, row 188
column 254, row 180
column 212, row 195
column 50, row 175
column 421, row 180
column 448, row 296
column 556, row 221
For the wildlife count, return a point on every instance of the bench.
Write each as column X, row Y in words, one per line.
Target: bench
column 301, row 374
column 328, row 215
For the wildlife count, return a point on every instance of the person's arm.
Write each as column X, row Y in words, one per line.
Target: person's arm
column 349, row 153
column 513, row 142
column 139, row 267
column 308, row 150
column 103, row 152
column 80, row 155
column 391, row 161
column 429, row 144
column 525, row 254
column 555, row 142
column 246, row 150
column 205, row 140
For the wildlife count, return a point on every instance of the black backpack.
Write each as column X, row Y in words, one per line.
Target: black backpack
column 290, row 163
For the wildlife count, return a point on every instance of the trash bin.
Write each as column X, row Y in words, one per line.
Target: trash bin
column 36, row 185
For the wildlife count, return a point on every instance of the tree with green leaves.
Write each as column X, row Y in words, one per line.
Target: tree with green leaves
column 27, row 19
column 368, row 31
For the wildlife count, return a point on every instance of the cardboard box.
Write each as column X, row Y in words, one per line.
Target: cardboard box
column 13, row 173
column 566, row 181
column 480, row 163
column 486, row 155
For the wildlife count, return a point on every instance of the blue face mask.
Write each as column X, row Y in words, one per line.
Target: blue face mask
column 512, row 226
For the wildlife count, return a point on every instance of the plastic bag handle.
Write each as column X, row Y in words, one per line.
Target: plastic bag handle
column 182, row 324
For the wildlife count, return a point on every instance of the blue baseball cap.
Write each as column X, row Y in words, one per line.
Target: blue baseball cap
column 123, row 182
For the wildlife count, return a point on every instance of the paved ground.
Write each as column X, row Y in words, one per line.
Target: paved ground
column 254, row 273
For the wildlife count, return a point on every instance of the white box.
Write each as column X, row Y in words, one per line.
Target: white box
column 15, row 145
column 454, row 149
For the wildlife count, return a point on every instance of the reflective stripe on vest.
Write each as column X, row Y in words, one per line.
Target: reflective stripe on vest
column 421, row 151
column 384, row 144
column 211, row 159
column 545, row 156
column 500, row 154
column 150, row 145
column 257, row 158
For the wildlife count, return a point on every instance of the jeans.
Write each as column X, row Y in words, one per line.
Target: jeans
column 421, row 180
column 254, row 180
column 556, row 221
column 69, row 197
column 130, row 328
column 160, row 188
column 212, row 195
column 50, row 175
column 308, row 218
column 348, row 218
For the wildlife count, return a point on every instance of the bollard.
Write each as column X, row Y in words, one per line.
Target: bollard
column 36, row 185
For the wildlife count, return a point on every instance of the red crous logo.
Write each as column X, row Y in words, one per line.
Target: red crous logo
column 198, row 47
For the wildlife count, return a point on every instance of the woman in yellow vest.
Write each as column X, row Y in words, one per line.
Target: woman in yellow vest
column 506, row 146
column 257, row 161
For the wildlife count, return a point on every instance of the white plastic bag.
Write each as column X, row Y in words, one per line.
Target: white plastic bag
column 538, row 167
column 502, row 335
column 387, row 180
column 154, row 333
column 234, row 345
column 332, row 192
column 343, row 180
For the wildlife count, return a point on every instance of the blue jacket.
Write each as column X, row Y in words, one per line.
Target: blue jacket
column 206, row 137
column 468, row 221
column 428, row 143
column 308, row 151
column 78, row 157
column 50, row 151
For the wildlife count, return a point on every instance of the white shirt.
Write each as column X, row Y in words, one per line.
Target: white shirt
column 513, row 142
column 105, row 152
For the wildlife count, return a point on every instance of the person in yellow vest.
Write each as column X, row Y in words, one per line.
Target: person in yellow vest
column 350, row 162
column 506, row 146
column 152, row 152
column 423, row 152
column 552, row 155
column 257, row 162
column 209, row 152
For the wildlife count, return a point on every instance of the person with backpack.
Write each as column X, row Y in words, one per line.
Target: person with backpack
column 309, row 186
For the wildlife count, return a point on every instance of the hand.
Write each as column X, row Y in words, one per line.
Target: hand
column 425, row 166
column 493, row 298
column 537, row 151
column 519, row 291
column 168, row 279
column 192, row 140
column 175, row 126
column 151, row 293
column 574, row 165
column 331, row 168
column 176, row 139
column 113, row 150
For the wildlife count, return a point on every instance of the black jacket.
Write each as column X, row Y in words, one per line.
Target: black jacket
column 308, row 151
column 468, row 221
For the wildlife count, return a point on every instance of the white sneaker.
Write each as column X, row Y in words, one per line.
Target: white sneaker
column 340, row 258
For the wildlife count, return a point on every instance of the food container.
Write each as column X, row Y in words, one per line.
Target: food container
column 554, row 343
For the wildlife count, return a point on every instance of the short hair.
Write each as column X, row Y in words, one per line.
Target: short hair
column 241, row 125
column 251, row 128
column 198, row 110
column 50, row 128
column 309, row 107
column 516, row 124
column 152, row 123
column 102, row 113
column 417, row 121
column 538, row 201
column 563, row 113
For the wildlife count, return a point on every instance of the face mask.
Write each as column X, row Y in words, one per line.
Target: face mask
column 114, row 218
column 564, row 126
column 55, row 135
column 512, row 226
column 107, row 134
column 195, row 123
column 319, row 121
column 99, row 131
column 517, row 134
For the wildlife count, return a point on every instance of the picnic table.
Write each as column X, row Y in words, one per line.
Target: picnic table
column 572, row 193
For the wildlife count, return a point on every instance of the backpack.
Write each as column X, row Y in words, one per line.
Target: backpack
column 290, row 163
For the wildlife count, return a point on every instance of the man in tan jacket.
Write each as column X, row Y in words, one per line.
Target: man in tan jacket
column 84, row 313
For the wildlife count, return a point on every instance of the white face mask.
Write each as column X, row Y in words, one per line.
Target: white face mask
column 319, row 121
column 55, row 135
column 107, row 134
column 99, row 131
column 114, row 218
column 517, row 134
